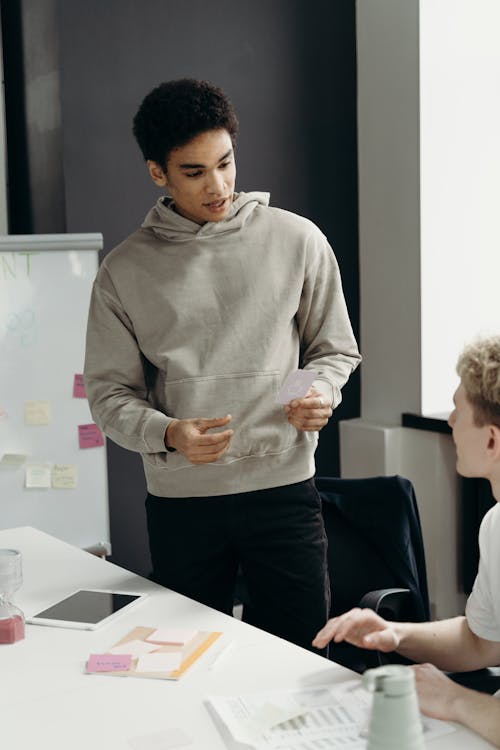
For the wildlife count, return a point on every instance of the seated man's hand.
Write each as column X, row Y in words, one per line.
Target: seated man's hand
column 361, row 627
column 191, row 438
column 437, row 694
column 311, row 413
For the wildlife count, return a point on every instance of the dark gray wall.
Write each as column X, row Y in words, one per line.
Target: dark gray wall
column 289, row 67
column 33, row 116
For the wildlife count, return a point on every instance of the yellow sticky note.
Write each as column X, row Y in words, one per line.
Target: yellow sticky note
column 36, row 412
column 64, row 476
column 37, row 475
column 12, row 460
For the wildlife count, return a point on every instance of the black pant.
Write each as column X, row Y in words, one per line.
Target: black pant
column 277, row 537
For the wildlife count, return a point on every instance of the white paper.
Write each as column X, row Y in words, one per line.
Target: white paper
column 134, row 648
column 331, row 717
column 38, row 475
column 159, row 662
column 221, row 656
column 171, row 636
column 296, row 385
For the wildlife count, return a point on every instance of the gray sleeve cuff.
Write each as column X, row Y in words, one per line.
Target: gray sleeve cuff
column 154, row 432
column 331, row 392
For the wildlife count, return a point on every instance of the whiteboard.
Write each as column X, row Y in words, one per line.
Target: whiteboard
column 45, row 286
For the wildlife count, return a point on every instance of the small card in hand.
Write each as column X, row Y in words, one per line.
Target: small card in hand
column 296, row 385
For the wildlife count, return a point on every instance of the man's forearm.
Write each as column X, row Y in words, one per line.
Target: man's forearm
column 449, row 644
column 479, row 712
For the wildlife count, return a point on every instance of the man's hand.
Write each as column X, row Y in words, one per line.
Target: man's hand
column 361, row 627
column 441, row 698
column 189, row 437
column 311, row 413
column 437, row 694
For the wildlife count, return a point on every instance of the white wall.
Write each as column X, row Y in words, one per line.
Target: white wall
column 459, row 179
column 429, row 167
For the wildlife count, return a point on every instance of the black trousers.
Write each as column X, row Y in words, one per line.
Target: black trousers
column 276, row 535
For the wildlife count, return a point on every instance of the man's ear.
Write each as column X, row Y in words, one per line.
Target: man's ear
column 157, row 174
column 494, row 442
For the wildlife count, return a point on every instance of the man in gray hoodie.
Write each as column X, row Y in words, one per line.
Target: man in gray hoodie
column 195, row 321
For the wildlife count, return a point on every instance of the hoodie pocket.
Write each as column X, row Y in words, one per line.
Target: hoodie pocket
column 260, row 424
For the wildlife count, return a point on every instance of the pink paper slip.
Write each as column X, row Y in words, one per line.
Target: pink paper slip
column 109, row 662
column 90, row 436
column 79, row 387
column 296, row 385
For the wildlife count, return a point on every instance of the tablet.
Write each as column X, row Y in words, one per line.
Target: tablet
column 87, row 609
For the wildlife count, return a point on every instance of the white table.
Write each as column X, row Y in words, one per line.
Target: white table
column 47, row 701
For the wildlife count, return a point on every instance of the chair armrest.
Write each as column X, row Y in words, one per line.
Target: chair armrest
column 485, row 680
column 388, row 603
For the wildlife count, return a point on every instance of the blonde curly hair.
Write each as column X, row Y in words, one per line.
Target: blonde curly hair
column 479, row 369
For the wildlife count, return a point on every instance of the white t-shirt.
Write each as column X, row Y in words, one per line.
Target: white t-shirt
column 483, row 605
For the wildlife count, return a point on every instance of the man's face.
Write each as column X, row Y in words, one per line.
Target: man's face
column 200, row 176
column 471, row 441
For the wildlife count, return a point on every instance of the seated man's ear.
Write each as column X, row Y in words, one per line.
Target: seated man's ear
column 494, row 442
column 157, row 174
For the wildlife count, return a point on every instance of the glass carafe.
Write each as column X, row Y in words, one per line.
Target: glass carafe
column 11, row 578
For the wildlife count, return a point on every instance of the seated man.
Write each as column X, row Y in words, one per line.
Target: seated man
column 460, row 643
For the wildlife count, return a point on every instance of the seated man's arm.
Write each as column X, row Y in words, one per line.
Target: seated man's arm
column 442, row 698
column 449, row 644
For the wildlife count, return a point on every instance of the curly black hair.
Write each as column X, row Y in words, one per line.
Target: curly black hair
column 177, row 111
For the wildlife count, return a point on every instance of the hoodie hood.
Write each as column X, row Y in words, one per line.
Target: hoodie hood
column 169, row 225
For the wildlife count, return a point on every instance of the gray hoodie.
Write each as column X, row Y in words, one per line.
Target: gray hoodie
column 201, row 321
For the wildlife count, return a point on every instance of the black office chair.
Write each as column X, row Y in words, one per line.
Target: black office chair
column 376, row 559
column 375, row 556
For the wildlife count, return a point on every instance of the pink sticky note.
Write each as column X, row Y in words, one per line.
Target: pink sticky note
column 79, row 387
column 109, row 662
column 89, row 436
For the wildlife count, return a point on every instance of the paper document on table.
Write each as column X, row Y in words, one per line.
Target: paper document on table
column 157, row 661
column 333, row 717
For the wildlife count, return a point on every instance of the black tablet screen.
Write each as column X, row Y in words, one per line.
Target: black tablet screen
column 87, row 606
